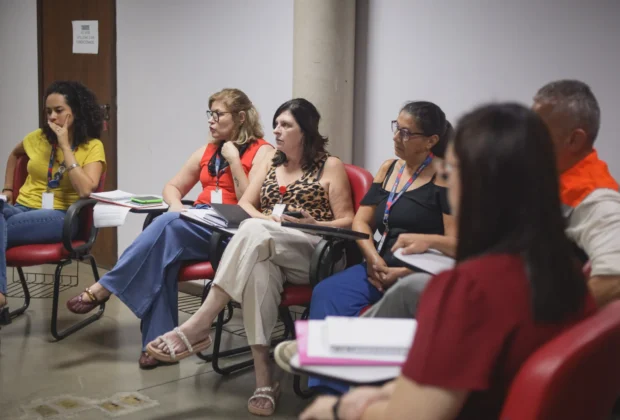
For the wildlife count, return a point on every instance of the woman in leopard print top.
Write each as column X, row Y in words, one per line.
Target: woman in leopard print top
column 299, row 176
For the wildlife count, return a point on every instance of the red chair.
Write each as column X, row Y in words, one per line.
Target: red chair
column 60, row 254
column 575, row 376
column 325, row 256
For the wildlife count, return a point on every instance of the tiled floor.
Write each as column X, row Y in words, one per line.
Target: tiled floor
column 101, row 360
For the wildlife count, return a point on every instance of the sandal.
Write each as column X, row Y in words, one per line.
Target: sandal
column 283, row 353
column 173, row 357
column 78, row 306
column 274, row 394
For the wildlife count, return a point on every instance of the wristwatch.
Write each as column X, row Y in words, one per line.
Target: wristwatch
column 72, row 167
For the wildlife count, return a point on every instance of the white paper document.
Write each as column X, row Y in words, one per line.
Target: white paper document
column 116, row 195
column 109, row 215
column 85, row 36
column 123, row 198
column 208, row 216
column 432, row 261
column 320, row 347
column 375, row 336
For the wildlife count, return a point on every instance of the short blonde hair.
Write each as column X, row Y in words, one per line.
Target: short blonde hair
column 237, row 101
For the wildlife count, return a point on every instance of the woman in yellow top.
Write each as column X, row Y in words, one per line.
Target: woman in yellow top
column 66, row 161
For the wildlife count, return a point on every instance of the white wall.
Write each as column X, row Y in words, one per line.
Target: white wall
column 171, row 56
column 19, row 85
column 460, row 54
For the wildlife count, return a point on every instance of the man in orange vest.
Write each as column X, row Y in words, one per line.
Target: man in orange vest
column 588, row 192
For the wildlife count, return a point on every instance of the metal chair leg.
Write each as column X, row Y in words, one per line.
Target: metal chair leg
column 22, row 309
column 59, row 335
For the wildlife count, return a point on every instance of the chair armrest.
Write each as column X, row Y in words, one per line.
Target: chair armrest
column 72, row 217
column 217, row 245
column 325, row 256
column 153, row 215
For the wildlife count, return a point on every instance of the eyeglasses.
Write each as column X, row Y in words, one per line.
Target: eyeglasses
column 216, row 114
column 403, row 133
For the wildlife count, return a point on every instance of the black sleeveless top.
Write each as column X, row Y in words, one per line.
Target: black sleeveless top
column 417, row 211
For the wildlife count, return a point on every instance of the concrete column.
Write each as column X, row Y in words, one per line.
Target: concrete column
column 323, row 66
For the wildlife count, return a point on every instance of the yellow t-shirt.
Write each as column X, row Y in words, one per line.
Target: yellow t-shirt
column 39, row 150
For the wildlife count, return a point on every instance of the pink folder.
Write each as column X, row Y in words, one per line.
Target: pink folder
column 301, row 331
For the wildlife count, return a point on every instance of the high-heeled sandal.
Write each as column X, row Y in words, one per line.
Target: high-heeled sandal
column 78, row 306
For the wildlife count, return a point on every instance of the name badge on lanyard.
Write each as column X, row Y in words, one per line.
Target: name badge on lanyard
column 393, row 197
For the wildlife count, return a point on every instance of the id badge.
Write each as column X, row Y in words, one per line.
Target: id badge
column 47, row 201
column 278, row 209
column 216, row 197
column 377, row 236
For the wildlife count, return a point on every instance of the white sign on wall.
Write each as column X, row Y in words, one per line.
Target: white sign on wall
column 85, row 36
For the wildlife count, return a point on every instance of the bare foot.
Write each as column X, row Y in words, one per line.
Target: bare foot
column 2, row 301
column 98, row 290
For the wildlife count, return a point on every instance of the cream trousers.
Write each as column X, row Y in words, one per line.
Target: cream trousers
column 256, row 263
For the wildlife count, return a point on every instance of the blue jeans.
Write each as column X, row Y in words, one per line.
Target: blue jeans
column 145, row 277
column 343, row 294
column 20, row 225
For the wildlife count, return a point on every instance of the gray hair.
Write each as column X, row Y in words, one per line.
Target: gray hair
column 576, row 101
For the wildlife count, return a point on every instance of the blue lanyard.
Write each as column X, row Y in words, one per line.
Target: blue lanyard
column 218, row 161
column 393, row 197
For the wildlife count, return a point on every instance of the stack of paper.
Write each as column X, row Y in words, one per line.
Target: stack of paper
column 205, row 216
column 355, row 341
column 122, row 198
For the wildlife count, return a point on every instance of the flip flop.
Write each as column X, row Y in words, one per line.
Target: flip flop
column 173, row 357
column 262, row 393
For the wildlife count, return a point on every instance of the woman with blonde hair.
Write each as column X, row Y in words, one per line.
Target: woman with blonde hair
column 145, row 277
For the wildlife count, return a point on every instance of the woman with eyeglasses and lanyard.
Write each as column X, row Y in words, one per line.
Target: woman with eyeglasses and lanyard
column 145, row 277
column 405, row 197
column 66, row 160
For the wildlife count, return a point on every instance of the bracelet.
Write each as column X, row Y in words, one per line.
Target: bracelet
column 7, row 189
column 335, row 408
column 72, row 167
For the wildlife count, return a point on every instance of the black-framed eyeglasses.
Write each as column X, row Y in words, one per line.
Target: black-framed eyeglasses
column 216, row 114
column 403, row 133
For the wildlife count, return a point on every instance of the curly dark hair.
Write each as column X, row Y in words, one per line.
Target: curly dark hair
column 308, row 117
column 87, row 115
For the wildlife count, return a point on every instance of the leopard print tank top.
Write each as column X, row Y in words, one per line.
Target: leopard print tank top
column 304, row 194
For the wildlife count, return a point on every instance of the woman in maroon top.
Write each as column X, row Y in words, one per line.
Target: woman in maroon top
column 513, row 289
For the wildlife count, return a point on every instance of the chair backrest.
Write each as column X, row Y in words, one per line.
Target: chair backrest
column 19, row 177
column 20, row 174
column 574, row 376
column 360, row 180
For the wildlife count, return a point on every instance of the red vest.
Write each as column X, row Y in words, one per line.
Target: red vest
column 227, row 185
